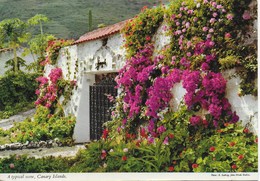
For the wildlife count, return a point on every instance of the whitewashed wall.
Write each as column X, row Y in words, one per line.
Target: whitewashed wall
column 80, row 60
column 7, row 55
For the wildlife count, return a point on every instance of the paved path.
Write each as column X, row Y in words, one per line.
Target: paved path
column 8, row 123
column 41, row 152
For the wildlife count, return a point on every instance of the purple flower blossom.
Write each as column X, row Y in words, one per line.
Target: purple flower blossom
column 166, row 141
column 215, row 110
column 195, row 120
column 215, row 14
column 205, row 1
column 204, row 66
column 150, row 140
column 188, row 54
column 195, row 19
column 215, row 123
column 161, row 129
column 183, row 30
column 211, row 30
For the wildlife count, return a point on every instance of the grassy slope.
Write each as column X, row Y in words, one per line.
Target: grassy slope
column 69, row 18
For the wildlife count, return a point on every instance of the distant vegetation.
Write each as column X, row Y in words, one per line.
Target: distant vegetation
column 69, row 18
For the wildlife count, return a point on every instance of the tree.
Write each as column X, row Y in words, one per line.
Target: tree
column 12, row 35
column 38, row 43
column 90, row 20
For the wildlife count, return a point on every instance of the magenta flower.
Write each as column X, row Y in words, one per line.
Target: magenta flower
column 177, row 23
column 188, row 54
column 230, row 16
column 211, row 30
column 178, row 32
column 190, row 11
column 205, row 28
column 214, row 4
column 161, row 129
column 219, row 6
column 212, row 20
column 204, row 66
column 215, row 14
column 195, row 19
column 208, row 36
column 246, row 15
column 227, row 35
column 150, row 140
column 173, row 17
column 166, row 141
column 195, row 120
column 189, row 44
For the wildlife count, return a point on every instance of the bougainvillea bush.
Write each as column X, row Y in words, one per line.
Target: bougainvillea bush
column 204, row 134
column 49, row 121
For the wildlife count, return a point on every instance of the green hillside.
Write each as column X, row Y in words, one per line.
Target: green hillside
column 69, row 18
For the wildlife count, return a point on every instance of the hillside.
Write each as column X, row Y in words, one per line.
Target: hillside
column 69, row 18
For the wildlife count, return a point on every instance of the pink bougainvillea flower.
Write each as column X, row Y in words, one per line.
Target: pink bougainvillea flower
column 215, row 14
column 161, row 129
column 212, row 20
column 195, row 120
column 205, row 28
column 227, row 35
column 219, row 6
column 246, row 15
column 166, row 141
column 230, row 16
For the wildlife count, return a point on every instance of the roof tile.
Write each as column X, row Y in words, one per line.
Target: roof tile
column 101, row 32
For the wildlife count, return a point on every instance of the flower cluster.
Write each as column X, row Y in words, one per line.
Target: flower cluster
column 50, row 88
column 53, row 49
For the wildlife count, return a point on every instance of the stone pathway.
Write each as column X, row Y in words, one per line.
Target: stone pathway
column 42, row 152
column 8, row 123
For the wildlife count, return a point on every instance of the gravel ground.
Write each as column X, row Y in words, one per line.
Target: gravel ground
column 41, row 152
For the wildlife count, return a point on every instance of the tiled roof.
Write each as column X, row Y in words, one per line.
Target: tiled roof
column 101, row 32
